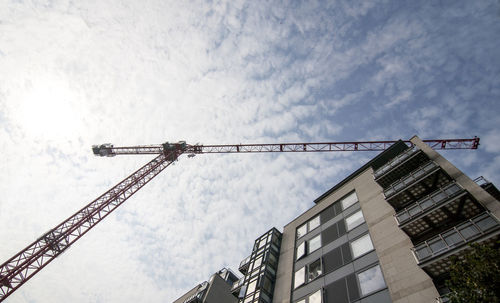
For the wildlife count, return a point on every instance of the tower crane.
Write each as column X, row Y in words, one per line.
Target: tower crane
column 25, row 264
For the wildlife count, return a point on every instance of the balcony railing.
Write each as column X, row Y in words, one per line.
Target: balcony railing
column 244, row 265
column 455, row 237
column 428, row 202
column 396, row 161
column 196, row 297
column 238, row 284
column 481, row 181
column 410, row 178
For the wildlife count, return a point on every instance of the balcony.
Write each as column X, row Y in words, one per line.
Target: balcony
column 488, row 186
column 243, row 268
column 400, row 166
column 235, row 289
column 198, row 296
column 418, row 183
column 434, row 255
column 437, row 211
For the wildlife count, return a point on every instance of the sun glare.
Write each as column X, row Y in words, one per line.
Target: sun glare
column 48, row 110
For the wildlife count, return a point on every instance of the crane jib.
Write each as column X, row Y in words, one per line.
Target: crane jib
column 26, row 263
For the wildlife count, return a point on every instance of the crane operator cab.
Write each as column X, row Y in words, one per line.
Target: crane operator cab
column 103, row 150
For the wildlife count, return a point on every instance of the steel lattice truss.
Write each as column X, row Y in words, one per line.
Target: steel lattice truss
column 25, row 264
column 20, row 268
column 290, row 147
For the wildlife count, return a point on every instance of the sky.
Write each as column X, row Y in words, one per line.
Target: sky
column 78, row 73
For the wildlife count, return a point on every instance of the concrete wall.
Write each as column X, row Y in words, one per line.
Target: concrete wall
column 187, row 295
column 406, row 281
column 219, row 292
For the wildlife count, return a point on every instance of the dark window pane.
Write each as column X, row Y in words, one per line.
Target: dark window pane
column 352, row 287
column 329, row 234
column 266, row 284
column 327, row 214
column 338, row 208
column 332, row 260
column 346, row 253
column 337, row 292
column 341, row 228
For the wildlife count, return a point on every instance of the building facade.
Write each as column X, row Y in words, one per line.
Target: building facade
column 386, row 233
column 216, row 290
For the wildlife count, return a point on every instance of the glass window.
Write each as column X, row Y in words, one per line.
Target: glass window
column 314, row 270
column 315, row 297
column 349, row 200
column 371, row 280
column 266, row 284
column 302, row 301
column 314, row 243
column 301, row 231
column 354, row 220
column 257, row 263
column 251, row 287
column 313, row 223
column 242, row 292
column 301, row 250
column 272, row 260
column 361, row 245
column 300, row 277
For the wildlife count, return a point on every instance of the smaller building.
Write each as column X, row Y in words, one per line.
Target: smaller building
column 216, row 290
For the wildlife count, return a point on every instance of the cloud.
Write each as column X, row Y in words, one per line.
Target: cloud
column 77, row 74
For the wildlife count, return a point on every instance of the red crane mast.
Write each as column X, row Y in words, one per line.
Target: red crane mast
column 30, row 260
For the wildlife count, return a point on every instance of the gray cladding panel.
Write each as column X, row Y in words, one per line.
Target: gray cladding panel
column 357, row 231
column 333, row 260
column 339, row 273
column 379, row 297
column 346, row 252
column 327, row 214
column 335, row 244
column 352, row 286
column 307, row 289
column 330, row 234
column 365, row 260
column 336, row 292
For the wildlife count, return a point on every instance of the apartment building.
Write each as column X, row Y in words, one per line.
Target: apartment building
column 386, row 233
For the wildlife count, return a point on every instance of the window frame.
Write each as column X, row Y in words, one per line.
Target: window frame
column 320, row 260
column 307, row 226
column 307, row 298
column 350, row 216
column 320, row 291
column 300, row 227
column 354, row 256
column 304, row 251
column 362, row 295
column 295, row 285
column 309, row 251
column 348, row 196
